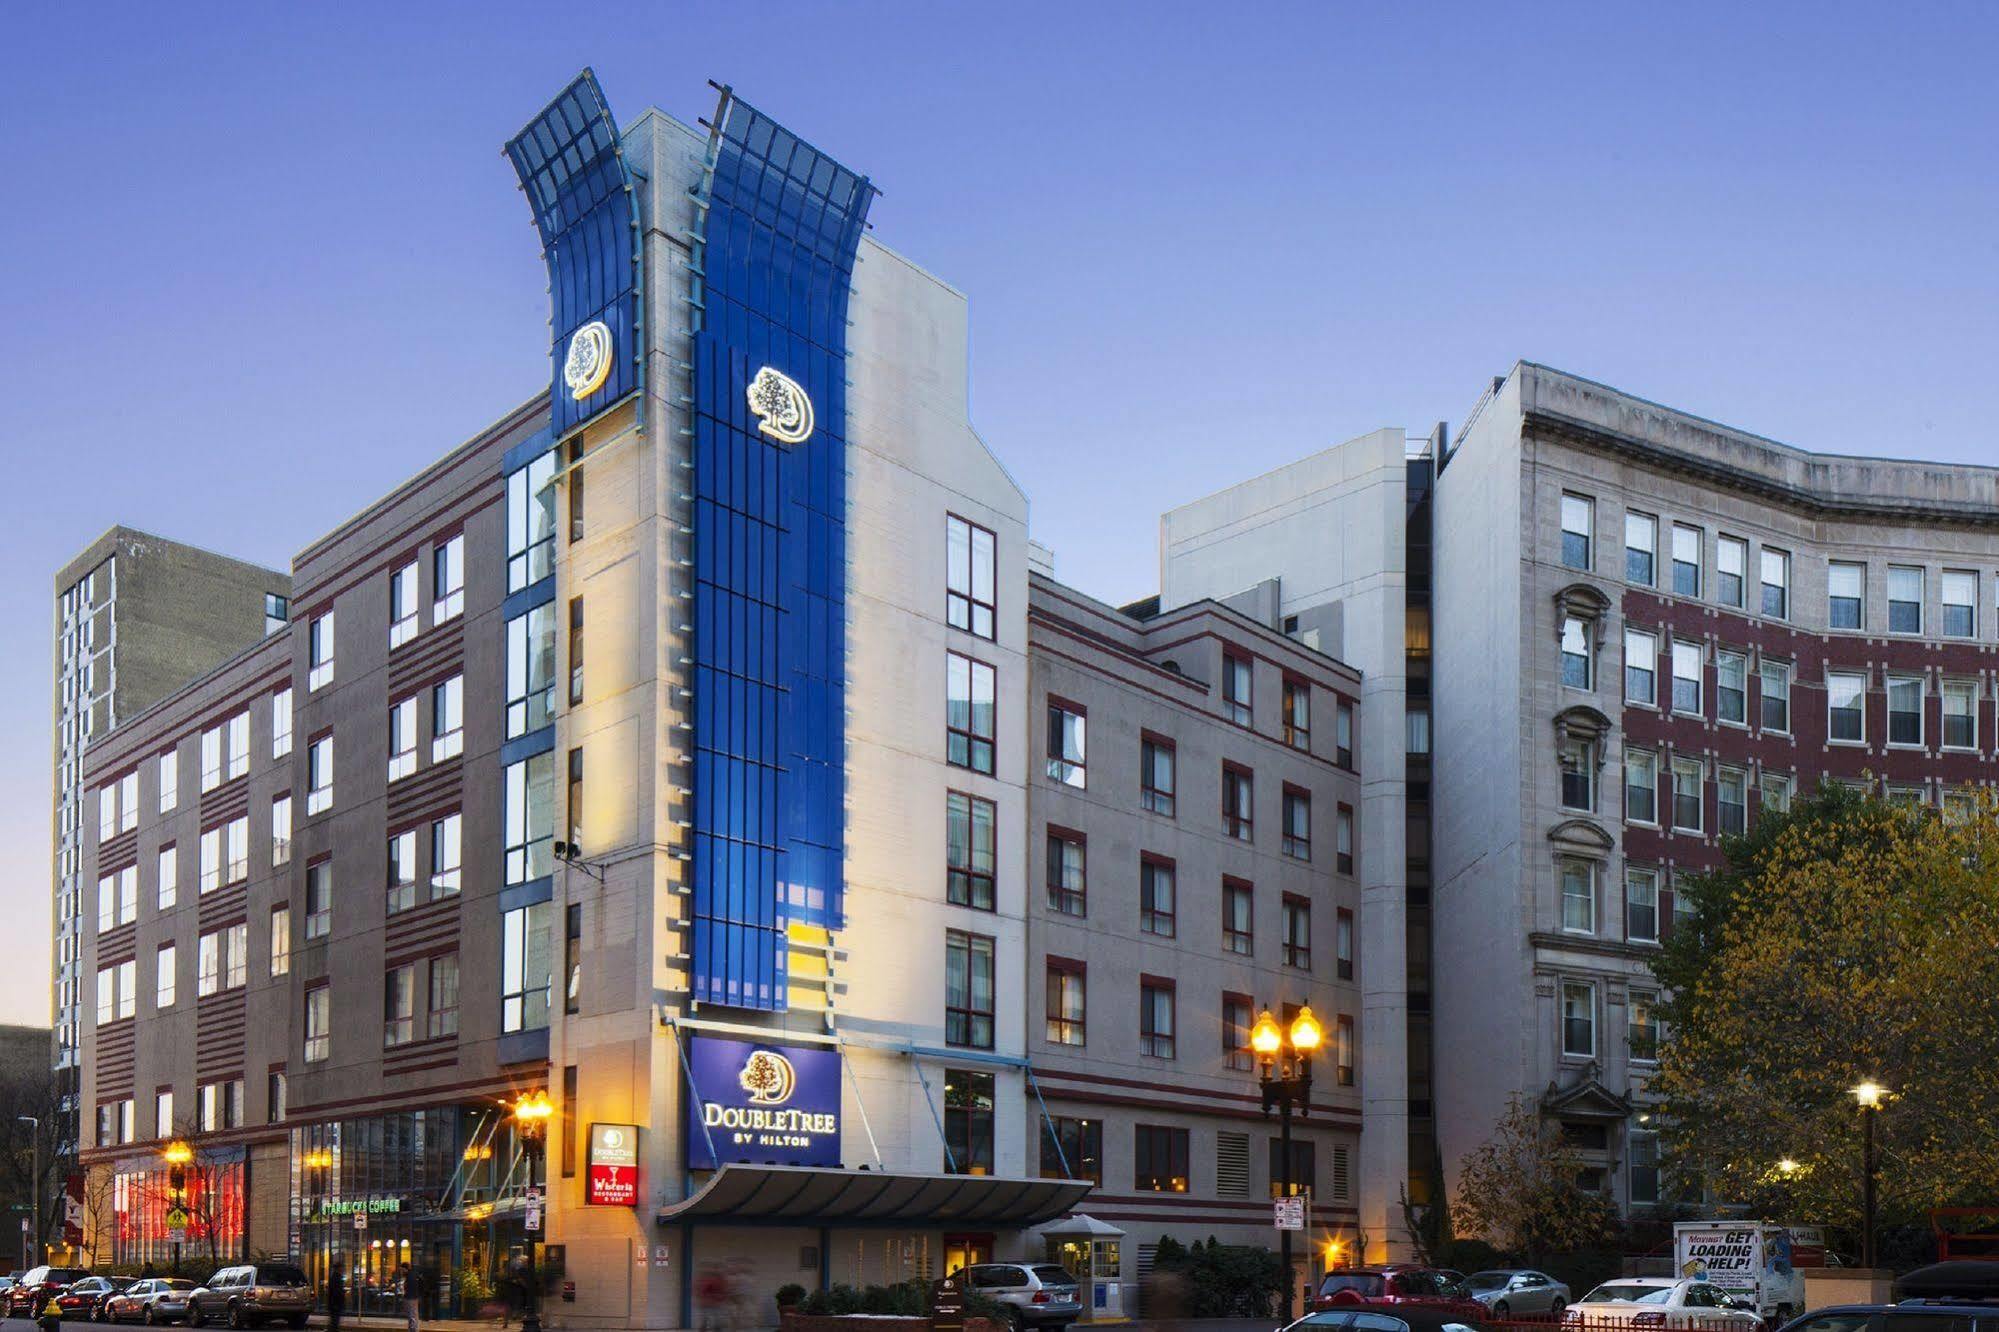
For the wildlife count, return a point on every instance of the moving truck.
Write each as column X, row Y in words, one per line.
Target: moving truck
column 1751, row 1260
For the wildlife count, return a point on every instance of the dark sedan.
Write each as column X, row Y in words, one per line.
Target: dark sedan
column 1388, row 1318
column 152, row 1300
column 85, row 1299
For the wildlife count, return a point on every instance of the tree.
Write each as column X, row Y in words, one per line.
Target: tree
column 1520, row 1190
column 1848, row 940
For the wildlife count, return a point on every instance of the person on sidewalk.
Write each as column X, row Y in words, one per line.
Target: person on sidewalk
column 336, row 1293
column 412, row 1295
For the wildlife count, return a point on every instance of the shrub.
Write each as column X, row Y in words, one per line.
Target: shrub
column 790, row 1295
column 1222, row 1280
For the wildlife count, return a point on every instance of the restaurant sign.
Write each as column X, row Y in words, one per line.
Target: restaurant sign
column 770, row 1104
column 612, row 1179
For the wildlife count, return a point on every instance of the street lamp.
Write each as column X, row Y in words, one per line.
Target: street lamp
column 532, row 1111
column 1870, row 1096
column 1285, row 1057
column 34, row 1188
column 177, row 1154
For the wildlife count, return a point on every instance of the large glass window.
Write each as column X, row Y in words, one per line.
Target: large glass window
column 969, row 838
column 1067, row 869
column 1159, row 1159
column 970, row 724
column 1578, row 526
column 1072, row 1148
column 525, row 959
column 1157, row 896
column 1686, row 560
column 1846, row 594
column 1960, row 603
column 1067, row 754
column 968, row 1122
column 1731, row 565
column 1846, row 706
column 1641, row 667
column 969, row 600
column 1641, row 547
column 968, row 990
column 1905, row 599
column 531, row 522
column 530, row 670
column 530, row 818
column 1155, row 776
column 1066, row 1002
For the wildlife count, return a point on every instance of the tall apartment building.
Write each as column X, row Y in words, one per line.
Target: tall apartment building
column 135, row 616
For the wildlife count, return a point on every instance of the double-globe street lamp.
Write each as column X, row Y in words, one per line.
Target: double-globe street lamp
column 1870, row 1096
column 177, row 1154
column 1285, row 1056
column 532, row 1111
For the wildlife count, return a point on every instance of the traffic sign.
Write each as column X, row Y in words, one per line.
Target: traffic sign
column 532, row 1220
column 360, row 1220
column 1290, row 1212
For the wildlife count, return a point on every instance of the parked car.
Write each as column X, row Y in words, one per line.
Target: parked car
column 1398, row 1285
column 1035, row 1294
column 1663, row 1302
column 37, row 1284
column 1510, row 1291
column 85, row 1299
column 252, row 1295
column 1402, row 1318
column 152, row 1300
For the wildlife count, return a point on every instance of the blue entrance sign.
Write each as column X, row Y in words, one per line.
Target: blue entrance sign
column 767, row 1104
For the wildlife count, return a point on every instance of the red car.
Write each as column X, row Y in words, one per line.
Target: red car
column 37, row 1284
column 1403, row 1285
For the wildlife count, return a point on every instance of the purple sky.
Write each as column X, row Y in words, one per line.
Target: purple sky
column 259, row 264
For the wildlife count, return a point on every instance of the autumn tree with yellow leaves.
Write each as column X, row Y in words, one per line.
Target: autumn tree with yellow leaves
column 1844, row 941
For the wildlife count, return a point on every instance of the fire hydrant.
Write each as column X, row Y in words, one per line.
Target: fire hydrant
column 51, row 1319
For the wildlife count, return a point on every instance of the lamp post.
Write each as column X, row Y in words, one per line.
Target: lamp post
column 34, row 1190
column 177, row 1154
column 1869, row 1096
column 1285, row 1057
column 532, row 1111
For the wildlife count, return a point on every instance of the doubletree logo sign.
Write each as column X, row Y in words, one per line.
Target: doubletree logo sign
column 768, row 1077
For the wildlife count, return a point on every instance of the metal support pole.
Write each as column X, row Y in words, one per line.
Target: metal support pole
column 531, row 1318
column 1867, row 1188
column 1284, row 1190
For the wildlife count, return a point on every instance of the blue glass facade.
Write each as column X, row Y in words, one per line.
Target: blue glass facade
column 783, row 229
column 571, row 166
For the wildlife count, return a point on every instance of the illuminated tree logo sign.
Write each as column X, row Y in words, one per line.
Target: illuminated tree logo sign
column 589, row 362
column 767, row 1075
column 782, row 410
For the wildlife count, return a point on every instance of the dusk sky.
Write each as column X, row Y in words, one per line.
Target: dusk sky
column 260, row 264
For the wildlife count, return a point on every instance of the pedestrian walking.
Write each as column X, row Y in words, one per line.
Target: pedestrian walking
column 336, row 1293
column 412, row 1296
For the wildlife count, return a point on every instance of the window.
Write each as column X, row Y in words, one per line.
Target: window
column 281, row 722
column 1297, row 823
column 107, row 903
column 1343, row 944
column 1776, row 793
column 1238, row 1016
column 274, row 1097
column 1905, row 599
column 403, row 615
column 1641, row 545
column 1155, row 1017
column 1641, row 905
column 1687, row 778
column 281, row 941
column 128, row 787
column 446, row 846
column 1641, row 665
column 1343, row 839
column 1072, row 1148
column 319, row 652
column 169, row 780
column 107, row 995
column 1298, row 714
column 208, row 963
column 968, row 990
column 1960, row 603
column 1578, row 1019
column 1776, row 677
column 447, row 718
column 1237, row 802
column 1156, row 896
column 1159, row 1159
column 163, row 1113
column 1687, row 677
column 1905, row 710
column 1776, row 584
column 1960, row 715
column 1644, row 1155
column 210, row 869
column 318, row 1024
column 1578, row 763
column 1237, row 704
column 235, row 955
column 318, row 899
column 447, row 578
column 399, row 1005
column 1731, row 801
column 1578, row 895
column 529, row 812
column 402, row 739
column 531, row 522
column 1066, row 754
column 1297, row 1175
column 1065, row 1002
column 1238, row 927
column 1297, row 932
column 576, row 651
column 211, row 762
column 1578, row 525
column 1343, row 1050
column 575, row 479
column 1155, row 775
column 1642, row 1022
column 277, row 612
column 402, row 871
column 164, row 979
column 443, row 1005
column 1067, row 886
column 1846, row 594
column 530, row 670
column 319, row 775
column 1343, row 734
column 524, row 968
column 1731, row 687
column 969, row 579
column 1846, row 706
column 1959, row 807
column 968, row 713
column 167, row 886
column 1731, row 564
column 1575, row 652
column 236, row 844
column 572, row 959
column 1416, row 728
column 1686, row 560
column 219, row 1105
column 281, row 830
column 969, row 824
column 968, row 1122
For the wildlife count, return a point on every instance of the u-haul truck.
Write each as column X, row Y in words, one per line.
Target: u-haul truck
column 1751, row 1260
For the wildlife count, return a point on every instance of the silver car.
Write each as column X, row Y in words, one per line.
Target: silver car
column 1037, row 1295
column 1517, row 1290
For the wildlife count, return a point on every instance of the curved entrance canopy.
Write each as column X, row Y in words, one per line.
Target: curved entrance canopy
column 824, row 1196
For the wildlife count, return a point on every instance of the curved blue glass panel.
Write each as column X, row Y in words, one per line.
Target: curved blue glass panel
column 783, row 227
